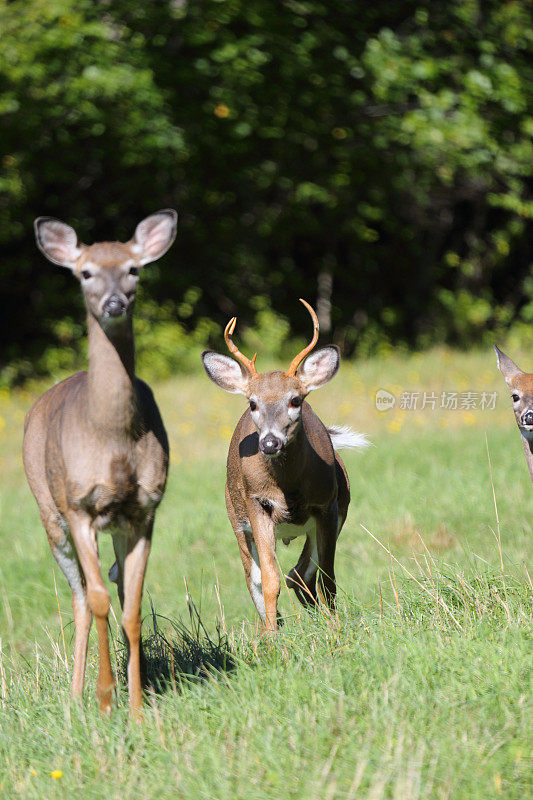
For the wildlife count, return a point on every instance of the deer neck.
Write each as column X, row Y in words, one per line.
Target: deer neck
column 288, row 467
column 528, row 450
column 112, row 402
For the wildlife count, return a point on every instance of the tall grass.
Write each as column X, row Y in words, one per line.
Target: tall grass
column 418, row 687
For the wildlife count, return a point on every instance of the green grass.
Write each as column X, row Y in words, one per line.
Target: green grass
column 419, row 688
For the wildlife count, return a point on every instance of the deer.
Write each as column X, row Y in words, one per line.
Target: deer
column 95, row 449
column 521, row 386
column 284, row 476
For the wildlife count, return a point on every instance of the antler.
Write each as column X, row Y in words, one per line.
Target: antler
column 302, row 354
column 249, row 364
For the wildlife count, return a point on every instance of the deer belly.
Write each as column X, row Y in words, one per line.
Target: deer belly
column 287, row 532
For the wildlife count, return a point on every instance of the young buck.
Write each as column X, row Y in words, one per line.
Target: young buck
column 284, row 478
column 521, row 386
column 95, row 449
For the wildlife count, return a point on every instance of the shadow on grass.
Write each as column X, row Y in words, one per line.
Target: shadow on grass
column 180, row 656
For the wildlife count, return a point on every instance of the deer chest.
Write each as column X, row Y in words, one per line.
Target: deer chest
column 117, row 496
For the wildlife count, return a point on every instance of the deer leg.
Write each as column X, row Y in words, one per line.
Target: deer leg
column 98, row 601
column 249, row 558
column 327, row 532
column 264, row 544
column 65, row 556
column 302, row 577
column 245, row 551
column 251, row 568
column 116, row 574
column 82, row 625
column 134, row 571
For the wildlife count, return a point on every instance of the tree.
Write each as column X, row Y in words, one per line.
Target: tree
column 382, row 150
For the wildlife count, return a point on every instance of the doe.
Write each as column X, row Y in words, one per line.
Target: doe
column 521, row 386
column 284, row 478
column 95, row 450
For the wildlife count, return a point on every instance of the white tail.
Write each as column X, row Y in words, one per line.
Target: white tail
column 95, row 449
column 343, row 438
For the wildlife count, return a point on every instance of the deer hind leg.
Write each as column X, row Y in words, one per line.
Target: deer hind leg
column 302, row 577
column 327, row 532
column 97, row 599
column 65, row 555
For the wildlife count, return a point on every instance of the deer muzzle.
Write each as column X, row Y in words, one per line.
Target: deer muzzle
column 527, row 418
column 114, row 306
column 270, row 445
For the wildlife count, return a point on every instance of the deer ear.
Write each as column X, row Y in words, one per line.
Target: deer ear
column 154, row 235
column 57, row 241
column 225, row 372
column 507, row 366
column 319, row 367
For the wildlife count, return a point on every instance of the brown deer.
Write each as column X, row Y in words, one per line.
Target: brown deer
column 95, row 450
column 521, row 386
column 284, row 478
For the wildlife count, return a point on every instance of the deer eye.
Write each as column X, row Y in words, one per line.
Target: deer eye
column 134, row 271
column 85, row 274
column 295, row 402
column 253, row 405
column 515, row 397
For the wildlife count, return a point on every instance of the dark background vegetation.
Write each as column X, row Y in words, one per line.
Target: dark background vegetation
column 375, row 158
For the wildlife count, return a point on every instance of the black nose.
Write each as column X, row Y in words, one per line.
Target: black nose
column 114, row 306
column 528, row 418
column 270, row 444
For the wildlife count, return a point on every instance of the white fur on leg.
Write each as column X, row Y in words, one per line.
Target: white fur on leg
column 255, row 583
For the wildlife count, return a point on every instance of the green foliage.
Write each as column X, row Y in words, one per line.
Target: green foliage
column 389, row 148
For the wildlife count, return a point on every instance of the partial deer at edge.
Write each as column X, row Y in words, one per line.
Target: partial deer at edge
column 521, row 386
column 95, row 449
column 284, row 478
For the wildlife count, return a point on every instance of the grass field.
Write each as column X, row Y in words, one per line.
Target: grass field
column 419, row 688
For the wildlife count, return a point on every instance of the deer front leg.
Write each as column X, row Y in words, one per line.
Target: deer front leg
column 82, row 625
column 263, row 550
column 135, row 563
column 98, row 600
column 249, row 558
column 65, row 555
column 327, row 532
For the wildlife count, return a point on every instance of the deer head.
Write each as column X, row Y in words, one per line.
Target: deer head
column 107, row 271
column 521, row 386
column 275, row 398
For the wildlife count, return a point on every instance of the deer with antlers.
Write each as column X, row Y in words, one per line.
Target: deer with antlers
column 95, row 450
column 284, row 478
